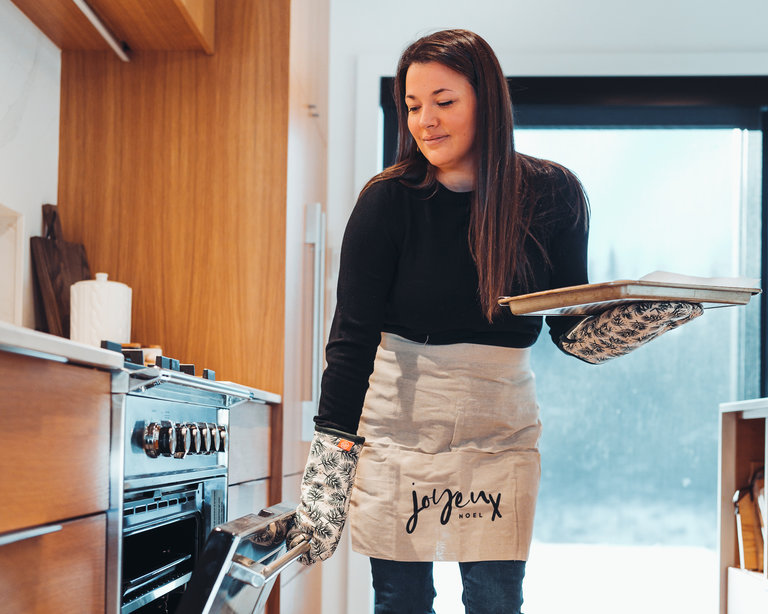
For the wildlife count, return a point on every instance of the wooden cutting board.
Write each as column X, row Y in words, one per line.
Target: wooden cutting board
column 57, row 264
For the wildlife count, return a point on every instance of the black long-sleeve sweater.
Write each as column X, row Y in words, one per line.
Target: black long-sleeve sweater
column 406, row 269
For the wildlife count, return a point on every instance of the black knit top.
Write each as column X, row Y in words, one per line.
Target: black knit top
column 406, row 269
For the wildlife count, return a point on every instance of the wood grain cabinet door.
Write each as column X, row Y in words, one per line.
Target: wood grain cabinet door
column 54, row 441
column 60, row 572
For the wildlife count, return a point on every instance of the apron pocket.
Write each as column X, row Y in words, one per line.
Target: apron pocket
column 444, row 507
column 371, row 510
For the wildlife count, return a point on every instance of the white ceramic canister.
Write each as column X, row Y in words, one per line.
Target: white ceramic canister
column 100, row 310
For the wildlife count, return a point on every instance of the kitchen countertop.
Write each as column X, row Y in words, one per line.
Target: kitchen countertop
column 51, row 347
column 27, row 341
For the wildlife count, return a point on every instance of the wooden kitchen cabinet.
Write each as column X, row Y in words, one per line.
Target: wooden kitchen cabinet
column 158, row 25
column 54, row 485
column 62, row 571
column 55, row 435
column 743, row 447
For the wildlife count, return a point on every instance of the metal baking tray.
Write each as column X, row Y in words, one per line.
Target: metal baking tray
column 588, row 299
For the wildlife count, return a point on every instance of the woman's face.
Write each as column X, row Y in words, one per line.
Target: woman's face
column 441, row 117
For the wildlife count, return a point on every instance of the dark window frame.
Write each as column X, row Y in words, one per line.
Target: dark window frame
column 632, row 102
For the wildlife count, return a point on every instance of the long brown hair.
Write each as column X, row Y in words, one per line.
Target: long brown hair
column 501, row 210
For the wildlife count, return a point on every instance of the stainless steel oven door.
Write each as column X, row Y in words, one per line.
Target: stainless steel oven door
column 240, row 563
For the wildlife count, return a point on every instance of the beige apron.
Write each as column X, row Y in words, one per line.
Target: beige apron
column 450, row 466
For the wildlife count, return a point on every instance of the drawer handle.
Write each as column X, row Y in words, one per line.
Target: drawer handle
column 18, row 536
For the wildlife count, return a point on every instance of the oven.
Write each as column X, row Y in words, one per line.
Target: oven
column 167, row 521
column 174, row 481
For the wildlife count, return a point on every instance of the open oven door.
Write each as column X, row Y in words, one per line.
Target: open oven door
column 240, row 562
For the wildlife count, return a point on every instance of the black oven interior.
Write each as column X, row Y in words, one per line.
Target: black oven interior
column 163, row 532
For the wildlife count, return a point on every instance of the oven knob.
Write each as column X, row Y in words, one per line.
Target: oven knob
column 167, row 438
column 203, row 428
column 195, row 438
column 213, row 432
column 183, row 440
column 222, row 439
column 152, row 440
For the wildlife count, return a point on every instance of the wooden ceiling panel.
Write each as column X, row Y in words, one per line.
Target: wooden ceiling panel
column 160, row 25
column 166, row 25
column 63, row 23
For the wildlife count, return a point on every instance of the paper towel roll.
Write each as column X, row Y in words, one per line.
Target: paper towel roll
column 100, row 310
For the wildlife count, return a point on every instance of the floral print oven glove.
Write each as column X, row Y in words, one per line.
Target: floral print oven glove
column 325, row 491
column 621, row 329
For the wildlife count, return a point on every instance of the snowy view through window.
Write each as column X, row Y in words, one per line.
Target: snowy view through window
column 627, row 514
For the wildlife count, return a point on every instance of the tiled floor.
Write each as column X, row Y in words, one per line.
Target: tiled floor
column 603, row 579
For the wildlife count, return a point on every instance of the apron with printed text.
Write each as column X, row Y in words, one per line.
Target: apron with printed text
column 450, row 467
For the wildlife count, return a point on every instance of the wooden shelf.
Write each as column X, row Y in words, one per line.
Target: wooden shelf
column 743, row 445
column 160, row 25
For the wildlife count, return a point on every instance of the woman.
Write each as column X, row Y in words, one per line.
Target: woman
column 424, row 368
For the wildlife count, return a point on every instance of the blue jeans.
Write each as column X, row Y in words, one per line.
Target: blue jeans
column 490, row 587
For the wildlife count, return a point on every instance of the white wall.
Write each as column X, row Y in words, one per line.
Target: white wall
column 30, row 70
column 531, row 37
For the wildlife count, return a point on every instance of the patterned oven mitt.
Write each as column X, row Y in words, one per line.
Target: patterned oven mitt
column 325, row 490
column 621, row 329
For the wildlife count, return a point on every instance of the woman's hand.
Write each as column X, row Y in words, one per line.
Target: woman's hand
column 621, row 329
column 325, row 490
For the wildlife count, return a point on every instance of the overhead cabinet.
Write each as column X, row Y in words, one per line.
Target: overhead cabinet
column 169, row 25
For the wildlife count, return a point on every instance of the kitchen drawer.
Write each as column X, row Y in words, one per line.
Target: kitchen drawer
column 61, row 572
column 248, row 442
column 54, row 441
column 247, row 498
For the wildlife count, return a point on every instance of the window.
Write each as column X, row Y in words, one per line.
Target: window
column 628, row 495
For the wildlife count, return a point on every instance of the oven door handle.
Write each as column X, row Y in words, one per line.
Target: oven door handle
column 257, row 575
